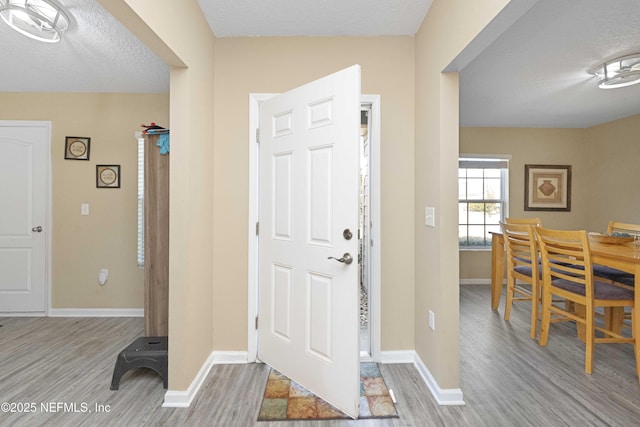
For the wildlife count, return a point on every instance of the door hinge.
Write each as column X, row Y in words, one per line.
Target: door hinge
column 256, row 323
column 257, row 228
column 258, row 135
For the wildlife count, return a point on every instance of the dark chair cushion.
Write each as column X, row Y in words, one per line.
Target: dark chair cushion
column 607, row 272
column 601, row 290
column 629, row 281
column 610, row 273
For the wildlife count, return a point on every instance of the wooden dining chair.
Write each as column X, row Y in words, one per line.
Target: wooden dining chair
column 620, row 278
column 616, row 317
column 530, row 221
column 523, row 275
column 621, row 227
column 567, row 272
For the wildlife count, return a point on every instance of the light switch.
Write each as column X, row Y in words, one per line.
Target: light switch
column 84, row 209
column 430, row 217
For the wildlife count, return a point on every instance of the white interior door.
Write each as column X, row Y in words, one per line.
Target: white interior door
column 24, row 174
column 308, row 303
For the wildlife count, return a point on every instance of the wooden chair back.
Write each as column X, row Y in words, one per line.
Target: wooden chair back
column 522, row 265
column 531, row 221
column 621, row 227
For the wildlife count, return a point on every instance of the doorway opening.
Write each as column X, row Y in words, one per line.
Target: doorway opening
column 368, row 233
column 363, row 232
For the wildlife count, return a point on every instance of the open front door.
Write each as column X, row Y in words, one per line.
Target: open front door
column 309, row 303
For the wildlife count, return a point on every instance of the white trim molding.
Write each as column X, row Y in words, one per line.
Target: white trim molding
column 451, row 396
column 475, row 281
column 96, row 312
column 444, row 397
column 183, row 398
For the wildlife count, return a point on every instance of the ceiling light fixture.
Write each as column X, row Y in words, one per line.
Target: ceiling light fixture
column 42, row 20
column 619, row 72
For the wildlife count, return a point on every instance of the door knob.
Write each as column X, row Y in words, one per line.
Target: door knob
column 346, row 258
column 37, row 229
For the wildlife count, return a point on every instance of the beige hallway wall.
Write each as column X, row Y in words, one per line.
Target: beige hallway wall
column 106, row 238
column 449, row 27
column 274, row 65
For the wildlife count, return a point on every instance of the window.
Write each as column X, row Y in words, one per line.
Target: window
column 140, row 251
column 482, row 199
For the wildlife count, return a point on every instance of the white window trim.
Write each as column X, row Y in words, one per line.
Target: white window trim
column 504, row 189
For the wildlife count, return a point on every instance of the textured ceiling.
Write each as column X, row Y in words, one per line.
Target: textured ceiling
column 233, row 18
column 538, row 73
column 533, row 72
column 97, row 54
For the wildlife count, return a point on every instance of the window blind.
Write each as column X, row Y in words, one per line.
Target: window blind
column 140, row 251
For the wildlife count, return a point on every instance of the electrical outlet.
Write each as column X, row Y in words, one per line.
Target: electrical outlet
column 432, row 320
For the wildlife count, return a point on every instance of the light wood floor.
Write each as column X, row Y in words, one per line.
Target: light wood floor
column 55, row 361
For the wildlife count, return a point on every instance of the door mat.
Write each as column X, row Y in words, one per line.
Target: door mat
column 285, row 399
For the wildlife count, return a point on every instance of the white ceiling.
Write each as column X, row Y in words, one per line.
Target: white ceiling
column 534, row 74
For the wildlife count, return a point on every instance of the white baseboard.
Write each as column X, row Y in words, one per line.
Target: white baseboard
column 23, row 314
column 452, row 396
column 398, row 356
column 183, row 398
column 475, row 281
column 96, row 312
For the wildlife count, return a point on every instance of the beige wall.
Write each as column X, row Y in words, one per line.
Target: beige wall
column 613, row 164
column 529, row 146
column 449, row 27
column 82, row 245
column 274, row 65
column 604, row 187
column 179, row 33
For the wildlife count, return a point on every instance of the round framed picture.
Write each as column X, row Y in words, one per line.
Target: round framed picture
column 76, row 148
column 108, row 176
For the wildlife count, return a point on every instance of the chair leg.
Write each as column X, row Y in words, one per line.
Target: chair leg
column 634, row 334
column 511, row 282
column 535, row 306
column 613, row 319
column 580, row 311
column 546, row 317
column 590, row 335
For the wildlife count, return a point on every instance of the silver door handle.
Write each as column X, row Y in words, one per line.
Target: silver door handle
column 346, row 258
column 37, row 229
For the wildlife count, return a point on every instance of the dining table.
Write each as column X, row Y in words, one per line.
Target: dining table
column 625, row 257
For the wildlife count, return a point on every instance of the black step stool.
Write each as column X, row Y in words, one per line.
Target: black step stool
column 144, row 352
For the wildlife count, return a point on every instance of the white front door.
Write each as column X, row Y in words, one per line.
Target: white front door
column 24, row 178
column 308, row 303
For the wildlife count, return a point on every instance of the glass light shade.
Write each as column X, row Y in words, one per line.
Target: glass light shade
column 42, row 20
column 619, row 72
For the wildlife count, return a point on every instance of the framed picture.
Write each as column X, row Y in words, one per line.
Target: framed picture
column 547, row 188
column 77, row 148
column 108, row 176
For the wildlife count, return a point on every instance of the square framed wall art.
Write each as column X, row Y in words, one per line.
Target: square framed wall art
column 547, row 188
column 77, row 148
column 108, row 176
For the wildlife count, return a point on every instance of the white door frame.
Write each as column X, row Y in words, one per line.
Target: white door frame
column 47, row 215
column 252, row 267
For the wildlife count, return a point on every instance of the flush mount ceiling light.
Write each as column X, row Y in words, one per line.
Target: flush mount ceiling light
column 619, row 72
column 42, row 20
